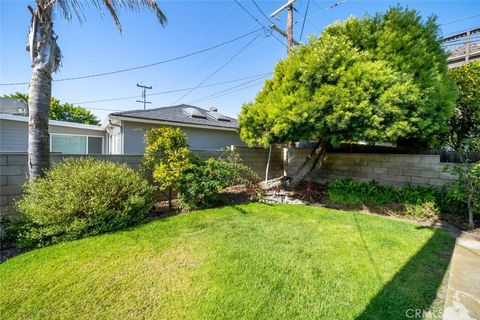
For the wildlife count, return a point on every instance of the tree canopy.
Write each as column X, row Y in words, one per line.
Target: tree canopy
column 376, row 78
column 62, row 111
column 464, row 125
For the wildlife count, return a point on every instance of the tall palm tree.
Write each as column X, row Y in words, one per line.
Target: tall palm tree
column 46, row 57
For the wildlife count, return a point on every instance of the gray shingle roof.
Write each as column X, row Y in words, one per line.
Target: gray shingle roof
column 177, row 114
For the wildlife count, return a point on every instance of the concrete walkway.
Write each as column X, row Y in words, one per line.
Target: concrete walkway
column 463, row 292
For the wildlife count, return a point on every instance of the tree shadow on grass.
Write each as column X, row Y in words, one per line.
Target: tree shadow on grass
column 412, row 292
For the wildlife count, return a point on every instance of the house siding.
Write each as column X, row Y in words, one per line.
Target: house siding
column 198, row 139
column 14, row 134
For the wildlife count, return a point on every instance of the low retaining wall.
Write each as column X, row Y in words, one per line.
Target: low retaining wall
column 391, row 169
column 14, row 169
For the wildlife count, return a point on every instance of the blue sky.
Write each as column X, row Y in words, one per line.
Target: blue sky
column 97, row 46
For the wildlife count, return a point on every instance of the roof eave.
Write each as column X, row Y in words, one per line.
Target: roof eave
column 172, row 123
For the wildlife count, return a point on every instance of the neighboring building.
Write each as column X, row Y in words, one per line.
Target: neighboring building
column 65, row 137
column 205, row 129
column 123, row 132
column 463, row 47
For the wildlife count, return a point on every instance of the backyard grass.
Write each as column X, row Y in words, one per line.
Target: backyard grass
column 252, row 261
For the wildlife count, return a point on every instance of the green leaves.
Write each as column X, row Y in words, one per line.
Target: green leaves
column 464, row 125
column 200, row 184
column 167, row 156
column 381, row 78
column 62, row 112
column 70, row 113
column 82, row 197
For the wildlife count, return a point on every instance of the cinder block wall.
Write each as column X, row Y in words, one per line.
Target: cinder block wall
column 391, row 169
column 256, row 158
column 13, row 168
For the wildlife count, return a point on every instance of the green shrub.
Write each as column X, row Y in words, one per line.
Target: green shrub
column 9, row 229
column 82, row 197
column 167, row 157
column 200, row 185
column 466, row 188
column 414, row 201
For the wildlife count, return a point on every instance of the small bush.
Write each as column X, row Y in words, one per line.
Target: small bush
column 413, row 201
column 167, row 157
column 200, row 185
column 466, row 188
column 79, row 198
column 9, row 229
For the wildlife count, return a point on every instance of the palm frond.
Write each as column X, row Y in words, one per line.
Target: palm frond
column 76, row 8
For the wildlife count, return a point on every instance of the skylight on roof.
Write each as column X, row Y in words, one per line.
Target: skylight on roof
column 218, row 116
column 194, row 113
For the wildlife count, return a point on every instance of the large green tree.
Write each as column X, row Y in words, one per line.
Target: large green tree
column 381, row 78
column 45, row 56
column 62, row 111
column 464, row 125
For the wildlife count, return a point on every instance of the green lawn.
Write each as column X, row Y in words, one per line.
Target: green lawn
column 253, row 261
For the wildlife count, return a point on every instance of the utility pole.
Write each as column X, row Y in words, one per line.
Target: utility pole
column 144, row 95
column 290, row 28
column 290, row 42
column 289, row 33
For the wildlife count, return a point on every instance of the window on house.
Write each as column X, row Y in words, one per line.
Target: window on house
column 75, row 144
column 95, row 145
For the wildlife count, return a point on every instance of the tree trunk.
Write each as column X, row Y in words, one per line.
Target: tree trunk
column 45, row 56
column 39, row 95
column 470, row 210
column 317, row 154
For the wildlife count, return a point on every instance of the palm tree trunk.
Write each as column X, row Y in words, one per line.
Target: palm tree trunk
column 317, row 154
column 39, row 95
column 45, row 56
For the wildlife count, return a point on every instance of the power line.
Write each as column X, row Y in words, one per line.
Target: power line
column 233, row 91
column 261, row 11
column 226, row 90
column 460, row 19
column 217, row 70
column 146, row 65
column 304, row 19
column 323, row 10
column 173, row 91
column 209, row 97
column 258, row 21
